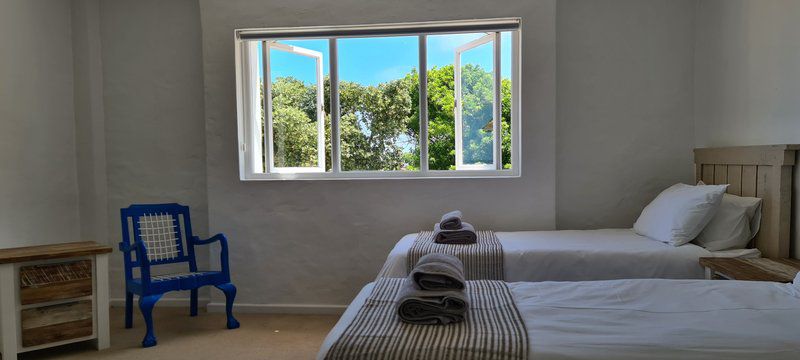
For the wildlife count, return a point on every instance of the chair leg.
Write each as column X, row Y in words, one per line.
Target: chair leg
column 230, row 294
column 128, row 310
column 193, row 303
column 146, row 304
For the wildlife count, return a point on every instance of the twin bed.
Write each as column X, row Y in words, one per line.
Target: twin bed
column 578, row 255
column 638, row 318
column 655, row 308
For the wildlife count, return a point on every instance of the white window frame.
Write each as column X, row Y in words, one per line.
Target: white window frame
column 248, row 114
column 459, row 110
column 267, row 81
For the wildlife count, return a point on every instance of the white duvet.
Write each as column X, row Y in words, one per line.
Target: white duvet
column 577, row 255
column 650, row 319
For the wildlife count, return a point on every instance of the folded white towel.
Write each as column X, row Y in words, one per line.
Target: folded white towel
column 465, row 235
column 451, row 220
column 438, row 271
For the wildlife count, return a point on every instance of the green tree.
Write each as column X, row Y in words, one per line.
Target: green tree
column 379, row 126
column 374, row 124
column 441, row 115
column 441, row 118
column 294, row 123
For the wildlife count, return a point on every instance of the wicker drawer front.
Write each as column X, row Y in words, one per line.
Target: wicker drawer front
column 48, row 282
column 54, row 323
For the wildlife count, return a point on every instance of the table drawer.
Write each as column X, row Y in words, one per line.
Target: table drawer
column 47, row 324
column 57, row 281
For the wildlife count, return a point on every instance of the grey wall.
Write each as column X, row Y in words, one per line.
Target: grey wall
column 747, row 72
column 153, row 99
column 90, row 134
column 624, row 107
column 747, row 66
column 318, row 242
column 38, row 181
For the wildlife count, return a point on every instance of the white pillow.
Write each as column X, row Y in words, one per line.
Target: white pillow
column 736, row 222
column 679, row 213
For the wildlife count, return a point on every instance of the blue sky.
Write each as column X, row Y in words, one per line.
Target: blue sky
column 370, row 61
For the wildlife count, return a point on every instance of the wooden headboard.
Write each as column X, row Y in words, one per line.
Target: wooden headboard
column 757, row 171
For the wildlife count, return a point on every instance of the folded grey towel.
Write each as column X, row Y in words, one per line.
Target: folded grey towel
column 451, row 220
column 465, row 235
column 423, row 307
column 438, row 271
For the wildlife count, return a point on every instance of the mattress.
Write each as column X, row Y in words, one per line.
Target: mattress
column 649, row 318
column 578, row 255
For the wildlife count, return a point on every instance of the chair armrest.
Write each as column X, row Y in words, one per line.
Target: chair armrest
column 218, row 237
column 139, row 248
column 126, row 248
column 223, row 242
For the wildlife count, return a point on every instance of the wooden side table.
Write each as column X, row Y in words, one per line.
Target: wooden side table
column 52, row 295
column 757, row 269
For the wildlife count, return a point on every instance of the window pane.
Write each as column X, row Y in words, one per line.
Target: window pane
column 262, row 124
column 441, row 98
column 505, row 91
column 297, row 95
column 378, row 98
column 477, row 104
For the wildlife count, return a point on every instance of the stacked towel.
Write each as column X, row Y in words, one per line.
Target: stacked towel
column 425, row 307
column 438, row 271
column 451, row 229
column 451, row 221
column 464, row 235
column 434, row 291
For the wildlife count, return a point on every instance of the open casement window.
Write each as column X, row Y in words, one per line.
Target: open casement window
column 477, row 106
column 284, row 132
column 435, row 99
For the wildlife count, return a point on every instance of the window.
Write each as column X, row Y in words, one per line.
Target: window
column 378, row 103
column 295, row 122
column 415, row 100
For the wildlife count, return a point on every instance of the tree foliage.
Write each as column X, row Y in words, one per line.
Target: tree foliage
column 379, row 126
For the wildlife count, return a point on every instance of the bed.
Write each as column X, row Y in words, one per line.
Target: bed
column 576, row 255
column 645, row 318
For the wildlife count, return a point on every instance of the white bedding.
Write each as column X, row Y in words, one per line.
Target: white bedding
column 577, row 255
column 650, row 319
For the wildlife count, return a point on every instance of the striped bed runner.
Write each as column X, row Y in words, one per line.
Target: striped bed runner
column 493, row 328
column 482, row 260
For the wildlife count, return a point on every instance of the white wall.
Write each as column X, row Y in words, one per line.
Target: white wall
column 624, row 107
column 38, row 181
column 154, row 123
column 90, row 120
column 747, row 69
column 318, row 242
column 747, row 66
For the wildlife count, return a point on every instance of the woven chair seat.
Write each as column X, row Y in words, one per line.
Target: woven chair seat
column 182, row 275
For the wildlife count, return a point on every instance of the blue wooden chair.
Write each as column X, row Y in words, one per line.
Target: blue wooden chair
column 158, row 240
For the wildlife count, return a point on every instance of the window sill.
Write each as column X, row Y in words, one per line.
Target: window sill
column 385, row 175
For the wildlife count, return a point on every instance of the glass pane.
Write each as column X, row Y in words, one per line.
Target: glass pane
column 441, row 98
column 262, row 125
column 378, row 98
column 505, row 91
column 477, row 99
column 294, row 90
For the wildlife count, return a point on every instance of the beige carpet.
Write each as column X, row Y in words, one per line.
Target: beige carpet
column 261, row 336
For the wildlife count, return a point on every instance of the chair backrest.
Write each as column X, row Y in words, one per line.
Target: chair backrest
column 158, row 227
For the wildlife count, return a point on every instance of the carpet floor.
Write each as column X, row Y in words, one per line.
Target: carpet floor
column 261, row 336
